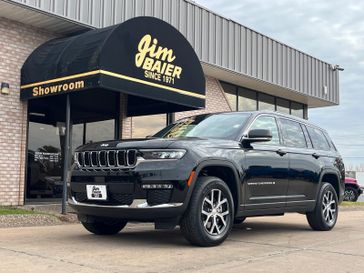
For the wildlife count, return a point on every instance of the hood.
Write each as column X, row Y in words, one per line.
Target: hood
column 159, row 143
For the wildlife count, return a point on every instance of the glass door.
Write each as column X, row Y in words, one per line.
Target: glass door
column 45, row 153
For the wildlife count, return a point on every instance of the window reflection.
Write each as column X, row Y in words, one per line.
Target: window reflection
column 247, row 100
column 100, row 130
column 297, row 109
column 45, row 153
column 44, row 167
column 267, row 122
column 144, row 126
column 266, row 102
column 282, row 106
column 293, row 135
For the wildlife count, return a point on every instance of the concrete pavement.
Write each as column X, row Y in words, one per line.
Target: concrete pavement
column 268, row 244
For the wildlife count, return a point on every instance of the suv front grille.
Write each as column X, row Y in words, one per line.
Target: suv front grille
column 106, row 159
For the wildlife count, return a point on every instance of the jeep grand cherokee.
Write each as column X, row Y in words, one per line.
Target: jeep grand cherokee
column 207, row 172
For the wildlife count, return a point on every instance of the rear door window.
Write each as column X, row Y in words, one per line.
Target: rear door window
column 318, row 139
column 292, row 134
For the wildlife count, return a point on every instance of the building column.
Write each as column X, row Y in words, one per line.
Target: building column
column 125, row 128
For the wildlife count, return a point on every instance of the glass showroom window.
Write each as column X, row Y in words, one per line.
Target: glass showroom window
column 282, row 106
column 144, row 126
column 266, row 102
column 247, row 100
column 297, row 109
column 244, row 99
column 100, row 130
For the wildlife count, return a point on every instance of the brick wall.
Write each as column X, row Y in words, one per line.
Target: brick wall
column 215, row 100
column 125, row 122
column 16, row 43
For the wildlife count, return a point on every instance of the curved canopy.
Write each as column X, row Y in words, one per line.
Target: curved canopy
column 144, row 57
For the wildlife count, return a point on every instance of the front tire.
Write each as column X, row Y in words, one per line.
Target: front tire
column 325, row 215
column 351, row 194
column 210, row 215
column 104, row 226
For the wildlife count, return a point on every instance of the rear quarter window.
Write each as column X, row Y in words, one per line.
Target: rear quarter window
column 318, row 139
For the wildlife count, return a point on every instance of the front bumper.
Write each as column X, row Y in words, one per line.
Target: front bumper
column 131, row 194
column 139, row 210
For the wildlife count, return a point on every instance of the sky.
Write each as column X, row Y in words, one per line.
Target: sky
column 332, row 31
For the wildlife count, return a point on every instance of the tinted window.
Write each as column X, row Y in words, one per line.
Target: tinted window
column 247, row 100
column 267, row 122
column 100, row 130
column 297, row 109
column 266, row 102
column 144, row 126
column 292, row 134
column 282, row 106
column 318, row 139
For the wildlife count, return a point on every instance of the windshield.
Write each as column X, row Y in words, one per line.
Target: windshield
column 222, row 126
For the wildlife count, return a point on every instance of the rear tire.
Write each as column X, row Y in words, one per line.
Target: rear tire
column 351, row 194
column 105, row 226
column 325, row 214
column 209, row 216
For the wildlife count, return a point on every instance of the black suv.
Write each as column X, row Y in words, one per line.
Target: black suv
column 207, row 172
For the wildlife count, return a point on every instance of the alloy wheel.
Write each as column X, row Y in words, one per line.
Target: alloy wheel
column 215, row 212
column 329, row 208
column 349, row 195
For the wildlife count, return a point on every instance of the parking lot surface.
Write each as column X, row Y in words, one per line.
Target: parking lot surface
column 267, row 244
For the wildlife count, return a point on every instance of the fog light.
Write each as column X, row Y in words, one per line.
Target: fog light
column 157, row 186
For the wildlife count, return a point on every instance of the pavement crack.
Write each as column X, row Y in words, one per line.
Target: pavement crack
column 61, row 260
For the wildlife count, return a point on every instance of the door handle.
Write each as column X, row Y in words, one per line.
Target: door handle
column 315, row 155
column 280, row 152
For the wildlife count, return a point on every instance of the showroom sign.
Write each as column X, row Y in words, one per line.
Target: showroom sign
column 144, row 57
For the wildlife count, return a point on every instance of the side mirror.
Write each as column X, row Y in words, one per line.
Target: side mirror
column 257, row 135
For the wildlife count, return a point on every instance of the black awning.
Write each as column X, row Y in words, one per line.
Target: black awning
column 144, row 57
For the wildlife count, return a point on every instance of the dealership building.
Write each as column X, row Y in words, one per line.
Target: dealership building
column 125, row 69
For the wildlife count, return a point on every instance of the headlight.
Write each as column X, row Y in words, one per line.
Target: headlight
column 162, row 154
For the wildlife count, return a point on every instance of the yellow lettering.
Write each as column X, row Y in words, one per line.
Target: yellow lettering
column 35, row 91
column 53, row 89
column 148, row 63
column 79, row 84
column 65, row 87
column 147, row 47
column 177, row 72
column 165, row 54
column 143, row 49
column 41, row 91
column 169, row 70
column 157, row 67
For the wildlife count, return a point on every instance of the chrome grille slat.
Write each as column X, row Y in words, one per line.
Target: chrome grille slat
column 105, row 160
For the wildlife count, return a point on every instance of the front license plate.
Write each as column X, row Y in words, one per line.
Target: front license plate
column 96, row 192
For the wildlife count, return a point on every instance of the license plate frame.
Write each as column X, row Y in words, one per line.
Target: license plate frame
column 96, row 192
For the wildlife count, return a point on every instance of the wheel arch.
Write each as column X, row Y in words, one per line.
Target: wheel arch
column 332, row 177
column 227, row 172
